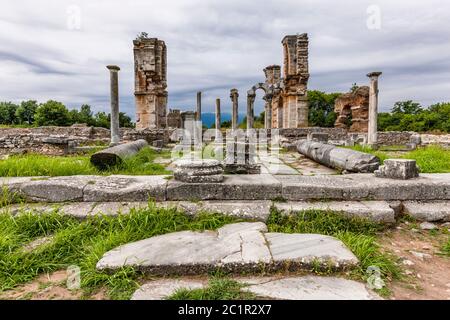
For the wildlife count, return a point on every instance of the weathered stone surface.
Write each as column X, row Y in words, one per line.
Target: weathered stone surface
column 428, row 211
column 234, row 187
column 258, row 210
column 126, row 188
column 428, row 226
column 236, row 247
column 365, row 187
column 304, row 249
column 339, row 158
column 282, row 288
column 161, row 289
column 398, row 169
column 356, row 105
column 57, row 189
column 198, row 171
column 309, row 288
column 379, row 211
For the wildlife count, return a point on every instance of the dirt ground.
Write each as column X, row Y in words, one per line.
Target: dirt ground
column 427, row 272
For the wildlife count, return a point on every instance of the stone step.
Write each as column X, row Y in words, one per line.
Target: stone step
column 379, row 211
column 283, row 288
column 353, row 187
column 240, row 247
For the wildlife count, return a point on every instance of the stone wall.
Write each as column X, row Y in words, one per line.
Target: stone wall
column 58, row 140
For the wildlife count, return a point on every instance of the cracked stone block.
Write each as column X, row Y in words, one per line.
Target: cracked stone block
column 402, row 169
column 236, row 248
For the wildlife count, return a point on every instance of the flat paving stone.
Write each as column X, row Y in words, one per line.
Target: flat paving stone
column 234, row 187
column 364, row 187
column 235, row 248
column 282, row 288
column 126, row 188
column 430, row 211
column 56, row 189
column 379, row 211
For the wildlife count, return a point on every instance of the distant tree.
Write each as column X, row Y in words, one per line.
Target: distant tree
column 26, row 111
column 407, row 107
column 86, row 115
column 8, row 113
column 321, row 108
column 226, row 124
column 354, row 87
column 125, row 121
column 102, row 120
column 52, row 113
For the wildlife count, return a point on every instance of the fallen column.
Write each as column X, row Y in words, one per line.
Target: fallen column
column 115, row 155
column 339, row 158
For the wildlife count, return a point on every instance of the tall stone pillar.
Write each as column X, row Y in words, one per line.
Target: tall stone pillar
column 150, row 72
column 372, row 134
column 234, row 95
column 198, row 114
column 114, row 80
column 218, row 121
column 250, row 112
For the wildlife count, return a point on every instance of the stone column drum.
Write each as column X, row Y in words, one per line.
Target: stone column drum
column 372, row 138
column 114, row 79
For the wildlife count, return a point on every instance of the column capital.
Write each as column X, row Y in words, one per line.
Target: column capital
column 113, row 68
column 375, row 74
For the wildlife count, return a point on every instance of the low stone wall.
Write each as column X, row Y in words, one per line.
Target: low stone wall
column 58, row 140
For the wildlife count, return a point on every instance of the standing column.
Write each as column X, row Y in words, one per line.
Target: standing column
column 234, row 95
column 268, row 113
column 372, row 136
column 250, row 116
column 198, row 114
column 114, row 76
column 218, row 120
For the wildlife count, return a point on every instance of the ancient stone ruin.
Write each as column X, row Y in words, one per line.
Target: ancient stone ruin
column 150, row 68
column 352, row 110
column 286, row 97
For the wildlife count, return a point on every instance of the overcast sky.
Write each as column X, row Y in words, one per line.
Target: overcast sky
column 59, row 49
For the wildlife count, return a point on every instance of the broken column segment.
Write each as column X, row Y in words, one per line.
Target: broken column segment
column 198, row 171
column 218, row 121
column 114, row 79
column 250, row 108
column 402, row 169
column 339, row 158
column 234, row 95
column 372, row 136
column 117, row 154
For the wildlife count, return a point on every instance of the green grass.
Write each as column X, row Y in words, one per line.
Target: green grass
column 359, row 235
column 218, row 288
column 430, row 159
column 82, row 243
column 446, row 248
column 41, row 165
